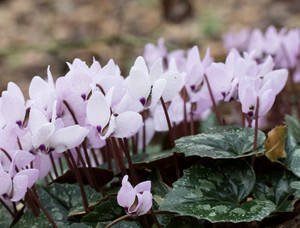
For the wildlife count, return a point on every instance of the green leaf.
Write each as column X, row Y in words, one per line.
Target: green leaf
column 103, row 176
column 221, row 142
column 122, row 224
column 217, row 191
column 58, row 199
column 185, row 222
column 294, row 127
column 5, row 218
column 108, row 210
column 277, row 187
column 154, row 154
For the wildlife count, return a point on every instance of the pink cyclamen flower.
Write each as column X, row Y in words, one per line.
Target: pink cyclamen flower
column 137, row 200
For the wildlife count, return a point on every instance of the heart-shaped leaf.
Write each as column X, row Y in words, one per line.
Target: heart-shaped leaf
column 108, row 210
column 221, row 142
column 153, row 156
column 58, row 199
column 217, row 191
column 103, row 176
column 277, row 187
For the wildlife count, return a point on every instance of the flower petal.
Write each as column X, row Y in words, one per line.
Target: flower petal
column 127, row 124
column 42, row 135
column 6, row 182
column 20, row 184
column 126, row 195
column 68, row 138
column 145, row 203
column 143, row 186
column 32, row 175
column 98, row 110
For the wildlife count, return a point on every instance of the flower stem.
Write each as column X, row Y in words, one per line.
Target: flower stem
column 213, row 101
column 256, row 124
column 36, row 199
column 53, row 164
column 168, row 122
column 144, row 133
column 185, row 125
column 85, row 169
column 124, row 143
column 7, row 208
column 72, row 165
column 117, row 221
column 155, row 218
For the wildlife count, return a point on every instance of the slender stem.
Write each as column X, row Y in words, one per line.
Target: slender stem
column 136, row 142
column 144, row 133
column 168, row 122
column 95, row 157
column 87, row 158
column 130, row 164
column 133, row 145
column 192, row 127
column 72, row 165
column 155, row 218
column 61, row 166
column 128, row 216
column 36, row 199
column 185, row 128
column 6, row 154
column 118, row 155
column 7, row 208
column 213, row 101
column 85, row 169
column 242, row 116
column 53, row 164
column 117, row 221
column 50, row 176
column 256, row 124
column 71, row 111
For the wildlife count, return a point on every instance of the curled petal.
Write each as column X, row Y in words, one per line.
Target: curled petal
column 126, row 195
column 144, row 203
column 143, row 186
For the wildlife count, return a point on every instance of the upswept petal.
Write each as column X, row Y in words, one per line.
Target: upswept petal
column 20, row 184
column 98, row 111
column 127, row 124
column 42, row 135
column 157, row 91
column 143, row 186
column 68, row 138
column 138, row 84
column 126, row 195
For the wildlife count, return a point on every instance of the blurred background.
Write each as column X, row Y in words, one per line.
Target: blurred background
column 38, row 33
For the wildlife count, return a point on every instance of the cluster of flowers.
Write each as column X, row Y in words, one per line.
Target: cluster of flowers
column 82, row 110
column 283, row 46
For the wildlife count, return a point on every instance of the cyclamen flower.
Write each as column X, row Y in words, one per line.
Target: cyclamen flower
column 265, row 87
column 12, row 106
column 51, row 136
column 107, row 123
column 16, row 180
column 137, row 200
